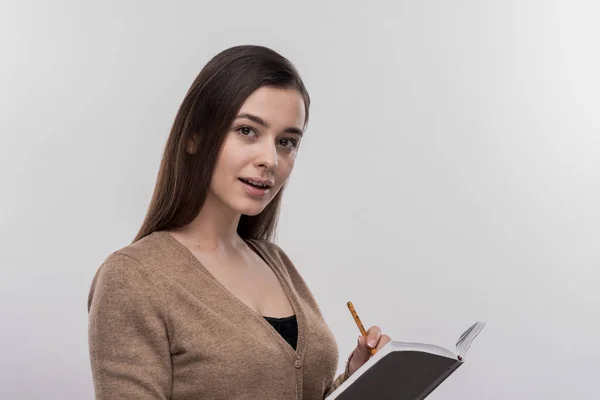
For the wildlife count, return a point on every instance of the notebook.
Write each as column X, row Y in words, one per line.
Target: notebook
column 405, row 371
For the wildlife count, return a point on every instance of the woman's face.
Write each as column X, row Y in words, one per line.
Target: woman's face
column 259, row 150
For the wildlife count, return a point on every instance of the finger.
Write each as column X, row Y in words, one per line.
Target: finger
column 373, row 335
column 361, row 352
column 383, row 340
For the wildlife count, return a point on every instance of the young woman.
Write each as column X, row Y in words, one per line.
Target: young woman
column 203, row 305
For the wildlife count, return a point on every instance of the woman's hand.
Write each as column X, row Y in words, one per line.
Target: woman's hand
column 361, row 354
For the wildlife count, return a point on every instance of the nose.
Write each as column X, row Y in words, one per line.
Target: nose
column 267, row 157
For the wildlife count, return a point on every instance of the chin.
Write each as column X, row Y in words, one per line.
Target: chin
column 251, row 214
column 252, row 209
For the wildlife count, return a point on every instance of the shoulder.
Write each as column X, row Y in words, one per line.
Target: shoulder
column 155, row 248
column 149, row 254
column 131, row 268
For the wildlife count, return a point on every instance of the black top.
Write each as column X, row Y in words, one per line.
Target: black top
column 287, row 328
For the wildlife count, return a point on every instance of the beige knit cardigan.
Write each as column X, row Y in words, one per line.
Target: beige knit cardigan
column 162, row 327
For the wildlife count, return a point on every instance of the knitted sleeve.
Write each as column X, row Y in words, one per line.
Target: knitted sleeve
column 127, row 333
column 341, row 378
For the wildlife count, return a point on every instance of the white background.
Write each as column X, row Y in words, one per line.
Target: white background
column 450, row 173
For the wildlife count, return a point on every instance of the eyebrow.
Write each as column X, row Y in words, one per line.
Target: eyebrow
column 260, row 121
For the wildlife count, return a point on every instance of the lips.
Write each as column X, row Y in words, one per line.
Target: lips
column 258, row 183
column 255, row 189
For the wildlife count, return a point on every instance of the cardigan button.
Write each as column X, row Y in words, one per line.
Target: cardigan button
column 298, row 364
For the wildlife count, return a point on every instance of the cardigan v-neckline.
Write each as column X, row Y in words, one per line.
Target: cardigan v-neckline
column 257, row 316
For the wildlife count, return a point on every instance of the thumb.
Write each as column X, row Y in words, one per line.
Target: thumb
column 360, row 355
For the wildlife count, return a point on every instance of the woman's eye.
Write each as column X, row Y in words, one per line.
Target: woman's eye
column 246, row 131
column 288, row 143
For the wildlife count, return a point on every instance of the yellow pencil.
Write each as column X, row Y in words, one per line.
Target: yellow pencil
column 361, row 328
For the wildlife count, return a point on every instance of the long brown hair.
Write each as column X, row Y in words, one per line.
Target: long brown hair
column 204, row 118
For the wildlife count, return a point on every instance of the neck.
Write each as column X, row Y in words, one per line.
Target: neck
column 214, row 228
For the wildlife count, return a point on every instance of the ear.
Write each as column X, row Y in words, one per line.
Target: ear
column 192, row 144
